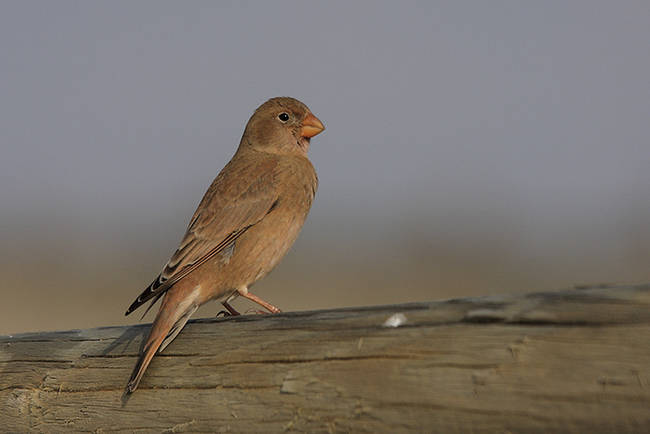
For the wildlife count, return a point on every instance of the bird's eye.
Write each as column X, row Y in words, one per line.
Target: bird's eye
column 283, row 116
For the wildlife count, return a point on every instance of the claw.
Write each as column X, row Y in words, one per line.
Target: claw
column 256, row 311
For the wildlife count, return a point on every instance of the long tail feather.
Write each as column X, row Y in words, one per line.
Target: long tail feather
column 170, row 320
column 143, row 362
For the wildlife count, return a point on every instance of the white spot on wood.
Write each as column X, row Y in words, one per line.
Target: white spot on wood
column 395, row 320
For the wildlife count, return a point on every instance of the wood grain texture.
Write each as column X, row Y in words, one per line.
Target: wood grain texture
column 569, row 361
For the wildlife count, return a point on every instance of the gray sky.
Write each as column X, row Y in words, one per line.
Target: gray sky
column 444, row 119
column 114, row 104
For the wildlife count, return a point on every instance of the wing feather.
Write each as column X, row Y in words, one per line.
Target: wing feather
column 241, row 195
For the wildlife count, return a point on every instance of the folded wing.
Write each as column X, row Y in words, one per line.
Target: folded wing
column 239, row 198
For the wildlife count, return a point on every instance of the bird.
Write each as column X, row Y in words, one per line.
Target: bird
column 246, row 222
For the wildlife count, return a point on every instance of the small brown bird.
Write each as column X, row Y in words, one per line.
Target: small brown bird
column 248, row 219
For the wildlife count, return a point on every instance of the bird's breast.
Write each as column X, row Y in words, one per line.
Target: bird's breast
column 263, row 245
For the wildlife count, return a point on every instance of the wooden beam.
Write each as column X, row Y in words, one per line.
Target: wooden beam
column 570, row 361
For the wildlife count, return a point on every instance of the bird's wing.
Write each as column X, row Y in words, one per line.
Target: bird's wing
column 242, row 194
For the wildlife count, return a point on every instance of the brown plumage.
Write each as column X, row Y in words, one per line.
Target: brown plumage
column 248, row 219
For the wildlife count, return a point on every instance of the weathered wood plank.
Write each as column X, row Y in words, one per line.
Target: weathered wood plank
column 568, row 361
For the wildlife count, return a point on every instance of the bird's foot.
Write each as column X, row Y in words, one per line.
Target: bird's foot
column 230, row 311
column 257, row 312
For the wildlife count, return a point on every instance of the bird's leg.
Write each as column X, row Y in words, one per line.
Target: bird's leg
column 243, row 291
column 231, row 311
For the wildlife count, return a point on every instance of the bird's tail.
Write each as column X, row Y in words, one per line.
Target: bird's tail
column 170, row 320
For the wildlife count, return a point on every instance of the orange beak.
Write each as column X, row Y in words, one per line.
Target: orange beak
column 311, row 126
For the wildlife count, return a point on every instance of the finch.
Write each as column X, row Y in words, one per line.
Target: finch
column 246, row 222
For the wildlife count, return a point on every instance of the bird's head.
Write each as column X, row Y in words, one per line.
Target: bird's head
column 281, row 125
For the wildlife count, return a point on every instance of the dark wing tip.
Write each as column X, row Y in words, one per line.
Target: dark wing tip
column 136, row 304
column 146, row 295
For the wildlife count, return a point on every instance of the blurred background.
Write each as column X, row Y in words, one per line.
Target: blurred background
column 472, row 148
